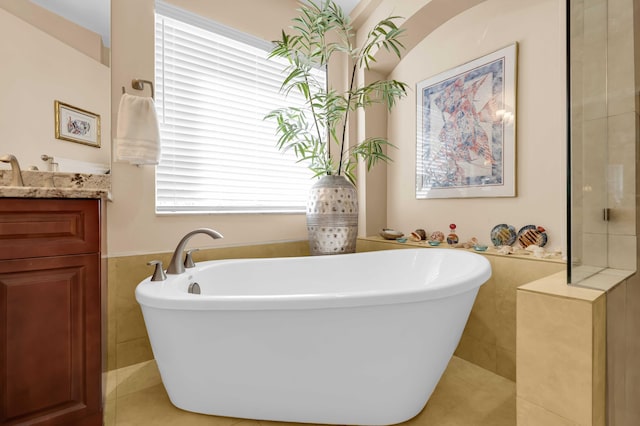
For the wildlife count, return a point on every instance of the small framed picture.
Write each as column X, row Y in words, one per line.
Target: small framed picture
column 77, row 125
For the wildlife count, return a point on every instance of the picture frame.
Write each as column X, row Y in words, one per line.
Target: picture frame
column 466, row 129
column 76, row 125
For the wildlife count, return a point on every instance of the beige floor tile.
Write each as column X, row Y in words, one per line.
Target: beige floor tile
column 467, row 395
column 245, row 422
column 110, row 413
column 269, row 423
column 152, row 407
column 111, row 382
column 137, row 377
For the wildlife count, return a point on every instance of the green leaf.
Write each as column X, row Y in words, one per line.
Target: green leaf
column 320, row 31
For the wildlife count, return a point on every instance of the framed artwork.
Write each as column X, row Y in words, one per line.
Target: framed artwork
column 466, row 129
column 77, row 125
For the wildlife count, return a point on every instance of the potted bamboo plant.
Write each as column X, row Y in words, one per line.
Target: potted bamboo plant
column 321, row 31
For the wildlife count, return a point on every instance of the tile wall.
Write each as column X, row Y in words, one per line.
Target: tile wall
column 489, row 339
column 623, row 353
column 561, row 347
column 127, row 340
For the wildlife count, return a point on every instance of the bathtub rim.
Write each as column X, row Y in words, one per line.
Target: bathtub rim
column 156, row 294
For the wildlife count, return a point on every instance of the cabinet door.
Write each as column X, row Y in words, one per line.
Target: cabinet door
column 34, row 227
column 50, row 362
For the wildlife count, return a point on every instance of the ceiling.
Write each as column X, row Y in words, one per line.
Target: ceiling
column 91, row 14
column 347, row 5
column 95, row 14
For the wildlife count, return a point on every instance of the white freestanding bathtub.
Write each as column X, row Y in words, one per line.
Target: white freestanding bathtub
column 350, row 339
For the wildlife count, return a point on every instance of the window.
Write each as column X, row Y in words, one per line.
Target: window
column 214, row 85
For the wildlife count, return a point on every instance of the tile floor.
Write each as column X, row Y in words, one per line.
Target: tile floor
column 467, row 395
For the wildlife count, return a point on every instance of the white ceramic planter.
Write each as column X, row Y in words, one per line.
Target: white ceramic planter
column 332, row 216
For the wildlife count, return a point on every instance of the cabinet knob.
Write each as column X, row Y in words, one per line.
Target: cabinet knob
column 188, row 260
column 158, row 273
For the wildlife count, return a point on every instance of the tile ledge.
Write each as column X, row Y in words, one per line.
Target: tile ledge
column 604, row 280
column 556, row 285
column 491, row 251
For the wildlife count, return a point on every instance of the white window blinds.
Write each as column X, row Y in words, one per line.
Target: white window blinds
column 214, row 85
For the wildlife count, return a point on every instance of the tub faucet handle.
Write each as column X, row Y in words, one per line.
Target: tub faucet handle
column 188, row 259
column 158, row 273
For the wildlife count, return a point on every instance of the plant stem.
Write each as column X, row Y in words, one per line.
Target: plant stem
column 313, row 110
column 346, row 116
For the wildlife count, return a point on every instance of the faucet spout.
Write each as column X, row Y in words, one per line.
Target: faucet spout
column 16, row 174
column 176, row 265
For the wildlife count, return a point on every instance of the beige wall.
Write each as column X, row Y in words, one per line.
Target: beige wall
column 538, row 27
column 37, row 69
column 69, row 33
column 133, row 225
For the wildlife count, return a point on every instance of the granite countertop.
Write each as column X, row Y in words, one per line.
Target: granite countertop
column 39, row 184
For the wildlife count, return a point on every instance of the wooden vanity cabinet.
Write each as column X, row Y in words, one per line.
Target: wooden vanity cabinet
column 50, row 312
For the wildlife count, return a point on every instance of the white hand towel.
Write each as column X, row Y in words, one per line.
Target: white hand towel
column 138, row 136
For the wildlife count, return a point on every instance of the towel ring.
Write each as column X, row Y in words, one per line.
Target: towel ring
column 139, row 85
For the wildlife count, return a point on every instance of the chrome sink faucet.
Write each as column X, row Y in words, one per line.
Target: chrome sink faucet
column 176, row 265
column 16, row 174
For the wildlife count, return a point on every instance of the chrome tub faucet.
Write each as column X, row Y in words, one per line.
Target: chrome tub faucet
column 176, row 264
